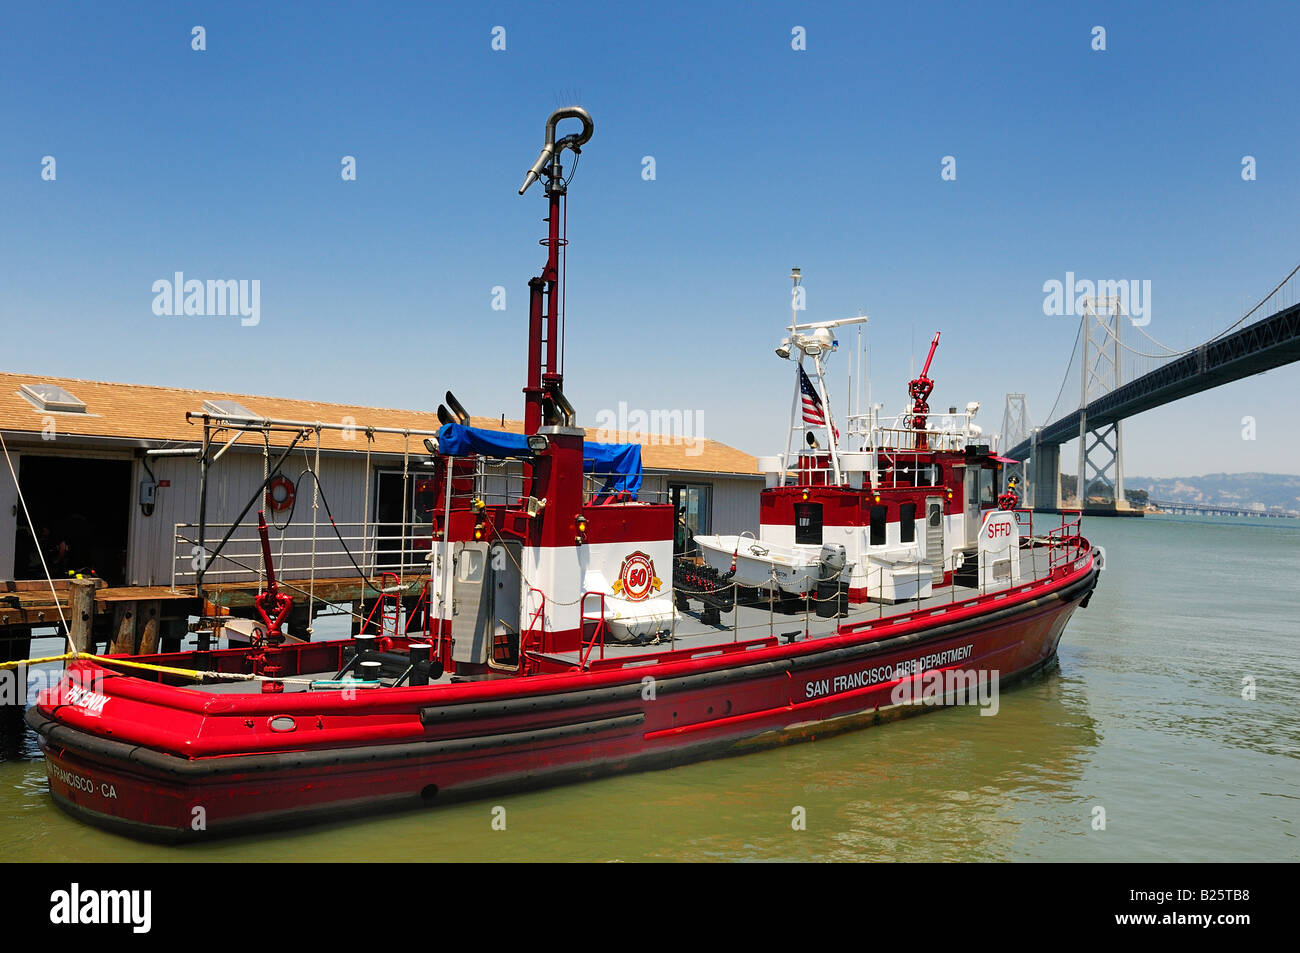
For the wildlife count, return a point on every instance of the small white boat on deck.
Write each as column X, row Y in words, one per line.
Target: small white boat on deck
column 762, row 564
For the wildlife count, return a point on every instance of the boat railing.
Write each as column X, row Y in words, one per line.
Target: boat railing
column 883, row 439
column 533, row 632
column 678, row 655
column 499, row 483
column 1066, row 543
column 388, row 607
column 1025, row 522
column 597, row 631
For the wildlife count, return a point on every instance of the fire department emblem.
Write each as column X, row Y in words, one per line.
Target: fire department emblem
column 636, row 579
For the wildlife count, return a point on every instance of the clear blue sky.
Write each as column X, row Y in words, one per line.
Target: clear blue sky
column 226, row 164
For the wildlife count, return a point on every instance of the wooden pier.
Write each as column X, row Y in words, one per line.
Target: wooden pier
column 139, row 620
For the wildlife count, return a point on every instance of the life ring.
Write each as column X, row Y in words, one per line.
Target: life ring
column 279, row 493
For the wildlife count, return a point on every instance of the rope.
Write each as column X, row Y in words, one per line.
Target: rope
column 36, row 541
column 406, row 475
column 365, row 512
column 315, row 505
column 197, row 675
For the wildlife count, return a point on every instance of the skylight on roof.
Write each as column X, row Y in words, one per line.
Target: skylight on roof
column 230, row 409
column 51, row 398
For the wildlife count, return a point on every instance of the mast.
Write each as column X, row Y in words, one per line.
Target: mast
column 783, row 350
column 832, row 442
column 544, row 401
column 815, row 339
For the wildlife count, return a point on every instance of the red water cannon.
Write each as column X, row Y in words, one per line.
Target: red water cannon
column 273, row 606
column 919, row 390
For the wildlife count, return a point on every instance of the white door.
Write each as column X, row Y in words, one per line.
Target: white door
column 934, row 542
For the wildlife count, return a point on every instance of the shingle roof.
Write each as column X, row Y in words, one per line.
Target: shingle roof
column 157, row 414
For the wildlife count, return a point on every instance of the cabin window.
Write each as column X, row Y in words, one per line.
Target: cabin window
column 986, row 486
column 878, row 514
column 808, row 523
column 936, row 514
column 936, row 475
column 907, row 522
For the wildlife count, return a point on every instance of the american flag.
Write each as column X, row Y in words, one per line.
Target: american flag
column 812, row 405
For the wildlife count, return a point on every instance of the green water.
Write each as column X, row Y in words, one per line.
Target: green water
column 1144, row 717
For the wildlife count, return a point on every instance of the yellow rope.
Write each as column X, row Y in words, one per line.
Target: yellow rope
column 37, row 661
column 166, row 669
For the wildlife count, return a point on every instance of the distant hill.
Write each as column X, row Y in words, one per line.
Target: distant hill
column 1273, row 490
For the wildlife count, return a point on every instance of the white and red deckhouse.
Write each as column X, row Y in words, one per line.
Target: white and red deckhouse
column 893, row 505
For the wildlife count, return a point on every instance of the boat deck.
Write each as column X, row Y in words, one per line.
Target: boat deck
column 757, row 626
column 742, row 629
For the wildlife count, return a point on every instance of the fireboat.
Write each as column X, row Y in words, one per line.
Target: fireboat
column 552, row 648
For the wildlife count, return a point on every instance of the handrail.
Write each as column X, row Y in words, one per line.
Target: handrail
column 599, row 630
column 525, row 651
column 1025, row 523
column 1065, row 542
column 387, row 591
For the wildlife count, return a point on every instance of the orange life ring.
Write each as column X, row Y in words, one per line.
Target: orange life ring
column 286, row 492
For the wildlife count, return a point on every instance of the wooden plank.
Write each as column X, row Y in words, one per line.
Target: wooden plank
column 137, row 593
column 43, row 585
column 326, row 590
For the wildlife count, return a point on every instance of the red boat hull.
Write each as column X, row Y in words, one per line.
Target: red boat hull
column 439, row 744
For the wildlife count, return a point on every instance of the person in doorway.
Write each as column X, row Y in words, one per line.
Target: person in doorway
column 72, row 542
column 683, row 538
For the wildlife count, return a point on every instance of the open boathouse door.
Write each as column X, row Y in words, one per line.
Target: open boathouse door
column 81, row 508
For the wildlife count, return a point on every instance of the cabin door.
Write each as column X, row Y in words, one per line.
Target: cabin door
column 934, row 541
column 971, row 492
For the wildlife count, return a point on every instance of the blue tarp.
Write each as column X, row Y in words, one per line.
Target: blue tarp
column 619, row 463
column 458, row 440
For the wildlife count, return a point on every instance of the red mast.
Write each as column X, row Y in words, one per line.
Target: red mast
column 544, row 400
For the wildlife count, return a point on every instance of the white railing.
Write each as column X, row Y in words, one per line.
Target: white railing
column 503, row 482
column 944, row 431
column 300, row 554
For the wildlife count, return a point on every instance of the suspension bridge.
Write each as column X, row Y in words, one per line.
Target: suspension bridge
column 1118, row 378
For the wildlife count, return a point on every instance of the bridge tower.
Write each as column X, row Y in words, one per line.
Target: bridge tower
column 1100, row 448
column 1016, row 428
